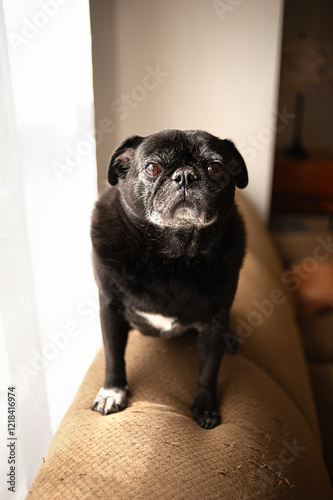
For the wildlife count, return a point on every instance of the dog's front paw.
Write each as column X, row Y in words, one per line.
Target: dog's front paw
column 204, row 409
column 110, row 400
column 207, row 419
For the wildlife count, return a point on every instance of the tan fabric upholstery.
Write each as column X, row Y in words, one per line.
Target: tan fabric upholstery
column 268, row 444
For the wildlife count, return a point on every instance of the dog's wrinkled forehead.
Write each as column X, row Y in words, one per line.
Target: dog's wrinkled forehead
column 173, row 145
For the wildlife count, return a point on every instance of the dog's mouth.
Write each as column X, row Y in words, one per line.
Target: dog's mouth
column 184, row 210
column 182, row 213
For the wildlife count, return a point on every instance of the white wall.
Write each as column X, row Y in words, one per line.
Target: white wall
column 220, row 64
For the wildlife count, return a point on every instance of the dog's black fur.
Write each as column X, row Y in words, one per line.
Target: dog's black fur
column 168, row 241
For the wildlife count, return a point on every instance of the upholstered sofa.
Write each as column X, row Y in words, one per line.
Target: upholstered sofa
column 268, row 445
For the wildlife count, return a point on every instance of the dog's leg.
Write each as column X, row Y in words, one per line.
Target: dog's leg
column 211, row 347
column 112, row 397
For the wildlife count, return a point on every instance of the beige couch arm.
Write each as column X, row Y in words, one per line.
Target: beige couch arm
column 268, row 444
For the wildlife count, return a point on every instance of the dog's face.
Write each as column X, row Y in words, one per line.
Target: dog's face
column 177, row 178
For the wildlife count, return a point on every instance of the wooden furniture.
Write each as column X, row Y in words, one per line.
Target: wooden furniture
column 303, row 184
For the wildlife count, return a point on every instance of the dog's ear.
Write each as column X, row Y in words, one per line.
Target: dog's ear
column 236, row 165
column 121, row 158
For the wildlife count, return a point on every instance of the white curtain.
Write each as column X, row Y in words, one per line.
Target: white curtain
column 49, row 329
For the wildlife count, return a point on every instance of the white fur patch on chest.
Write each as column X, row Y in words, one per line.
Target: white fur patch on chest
column 158, row 321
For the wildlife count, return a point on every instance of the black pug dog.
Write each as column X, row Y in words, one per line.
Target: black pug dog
column 168, row 244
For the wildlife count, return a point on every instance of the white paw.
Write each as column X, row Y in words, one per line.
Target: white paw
column 110, row 400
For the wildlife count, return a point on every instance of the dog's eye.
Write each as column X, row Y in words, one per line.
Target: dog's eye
column 153, row 169
column 215, row 169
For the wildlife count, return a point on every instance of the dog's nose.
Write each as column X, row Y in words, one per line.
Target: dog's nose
column 184, row 177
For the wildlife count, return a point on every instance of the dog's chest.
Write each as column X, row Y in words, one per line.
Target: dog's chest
column 168, row 304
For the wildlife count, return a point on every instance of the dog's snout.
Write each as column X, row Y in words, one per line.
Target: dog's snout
column 184, row 177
